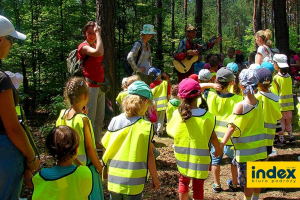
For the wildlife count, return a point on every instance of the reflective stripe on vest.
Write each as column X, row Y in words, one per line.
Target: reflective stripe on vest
column 272, row 115
column 74, row 186
column 77, row 123
column 285, row 93
column 249, row 138
column 192, row 155
column 160, row 95
column 222, row 108
column 127, row 174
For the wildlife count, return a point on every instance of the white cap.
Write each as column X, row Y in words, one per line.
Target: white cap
column 6, row 28
column 204, row 75
column 124, row 80
column 281, row 60
column 16, row 78
column 253, row 66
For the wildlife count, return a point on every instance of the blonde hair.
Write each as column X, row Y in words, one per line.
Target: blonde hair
column 265, row 35
column 132, row 78
column 75, row 88
column 133, row 104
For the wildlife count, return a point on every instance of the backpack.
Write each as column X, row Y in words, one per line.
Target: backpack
column 74, row 65
column 127, row 67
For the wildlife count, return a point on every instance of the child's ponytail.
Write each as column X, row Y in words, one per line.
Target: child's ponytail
column 185, row 108
column 236, row 87
column 203, row 104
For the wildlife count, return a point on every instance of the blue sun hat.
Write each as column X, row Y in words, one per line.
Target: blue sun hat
column 267, row 65
column 148, row 29
column 154, row 73
column 233, row 67
column 249, row 79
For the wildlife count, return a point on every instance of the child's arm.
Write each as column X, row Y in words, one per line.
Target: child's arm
column 216, row 86
column 91, row 153
column 28, row 177
column 152, row 167
column 214, row 140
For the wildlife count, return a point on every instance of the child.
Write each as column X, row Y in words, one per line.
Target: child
column 235, row 87
column 192, row 129
column 214, row 64
column 271, row 107
column 204, row 76
column 221, row 104
column 65, row 180
column 230, row 58
column 161, row 94
column 251, row 58
column 195, row 77
column 173, row 103
column 122, row 94
column 198, row 65
column 247, row 131
column 128, row 154
column 76, row 94
column 286, row 101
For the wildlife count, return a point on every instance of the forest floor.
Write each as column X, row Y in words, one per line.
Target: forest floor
column 167, row 169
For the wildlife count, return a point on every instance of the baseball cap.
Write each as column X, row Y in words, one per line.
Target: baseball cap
column 186, row 88
column 233, row 67
column 264, row 75
column 204, row 75
column 140, row 88
column 124, row 80
column 6, row 28
column 254, row 66
column 281, row 60
column 194, row 76
column 224, row 75
column 267, row 65
column 154, row 73
column 190, row 28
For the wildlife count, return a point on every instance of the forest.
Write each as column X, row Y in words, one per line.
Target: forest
column 54, row 28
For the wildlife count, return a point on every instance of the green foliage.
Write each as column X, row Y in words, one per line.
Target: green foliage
column 56, row 106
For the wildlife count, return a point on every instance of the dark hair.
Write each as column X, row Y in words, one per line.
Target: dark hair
column 236, row 87
column 252, row 56
column 284, row 71
column 239, row 58
column 292, row 52
column 86, row 26
column 213, row 62
column 174, row 90
column 223, row 84
column 185, row 107
column 231, row 49
column 164, row 75
column 208, row 57
column 62, row 142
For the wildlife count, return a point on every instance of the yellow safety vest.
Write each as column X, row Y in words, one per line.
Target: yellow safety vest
column 160, row 95
column 249, row 139
column 126, row 156
column 170, row 110
column 191, row 140
column 121, row 97
column 274, row 88
column 77, row 123
column 75, row 186
column 271, row 115
column 222, row 108
column 230, row 89
column 285, row 93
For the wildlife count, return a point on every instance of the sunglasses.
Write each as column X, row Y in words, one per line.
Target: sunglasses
column 10, row 38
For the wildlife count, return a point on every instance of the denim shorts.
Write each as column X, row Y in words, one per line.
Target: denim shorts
column 11, row 169
column 227, row 151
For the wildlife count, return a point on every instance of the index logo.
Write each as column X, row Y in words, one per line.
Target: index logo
column 273, row 174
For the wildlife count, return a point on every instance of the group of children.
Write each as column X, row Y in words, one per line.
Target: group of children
column 206, row 119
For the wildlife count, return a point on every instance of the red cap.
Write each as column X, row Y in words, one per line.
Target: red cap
column 237, row 52
column 186, row 86
column 195, row 77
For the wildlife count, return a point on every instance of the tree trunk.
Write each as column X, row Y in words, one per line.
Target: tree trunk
column 173, row 23
column 265, row 4
column 159, row 26
column 106, row 18
column 219, row 24
column 297, row 22
column 281, row 27
column 185, row 12
column 198, row 17
column 257, row 25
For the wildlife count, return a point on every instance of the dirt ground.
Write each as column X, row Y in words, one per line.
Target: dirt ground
column 167, row 169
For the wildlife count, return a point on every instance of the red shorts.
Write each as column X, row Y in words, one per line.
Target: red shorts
column 183, row 187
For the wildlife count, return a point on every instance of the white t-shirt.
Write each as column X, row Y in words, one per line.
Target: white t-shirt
column 262, row 51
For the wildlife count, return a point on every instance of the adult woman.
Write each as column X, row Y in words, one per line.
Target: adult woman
column 140, row 55
column 264, row 53
column 15, row 149
column 94, row 74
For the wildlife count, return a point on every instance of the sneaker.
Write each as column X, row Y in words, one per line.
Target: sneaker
column 280, row 142
column 292, row 138
column 231, row 186
column 216, row 188
column 273, row 154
